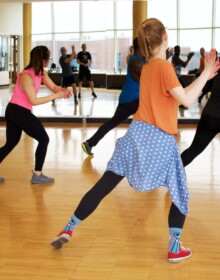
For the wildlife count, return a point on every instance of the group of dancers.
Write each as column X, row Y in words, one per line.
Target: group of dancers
column 147, row 154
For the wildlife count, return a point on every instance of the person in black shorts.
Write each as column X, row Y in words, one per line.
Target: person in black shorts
column 68, row 79
column 84, row 59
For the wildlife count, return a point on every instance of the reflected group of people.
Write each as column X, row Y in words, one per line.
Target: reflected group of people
column 84, row 59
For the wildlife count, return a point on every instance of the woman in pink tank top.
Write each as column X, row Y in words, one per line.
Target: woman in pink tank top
column 18, row 112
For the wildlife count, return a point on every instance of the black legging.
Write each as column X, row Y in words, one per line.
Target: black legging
column 103, row 187
column 207, row 88
column 17, row 119
column 207, row 128
column 123, row 111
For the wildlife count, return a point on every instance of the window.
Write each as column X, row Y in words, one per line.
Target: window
column 217, row 18
column 123, row 43
column 217, row 41
column 46, row 40
column 43, row 23
column 66, row 16
column 194, row 39
column 123, row 15
column 172, row 38
column 195, row 14
column 165, row 11
column 95, row 23
column 97, row 15
column 65, row 40
column 191, row 24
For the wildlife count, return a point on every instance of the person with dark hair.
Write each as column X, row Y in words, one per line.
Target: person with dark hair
column 18, row 112
column 52, row 67
column 178, row 63
column 147, row 154
column 128, row 99
column 208, row 87
column 84, row 59
column 68, row 78
column 208, row 126
column 131, row 53
column 201, row 61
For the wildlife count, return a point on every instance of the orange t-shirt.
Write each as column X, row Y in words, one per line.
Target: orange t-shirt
column 156, row 105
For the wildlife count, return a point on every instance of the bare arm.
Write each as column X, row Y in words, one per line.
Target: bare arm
column 135, row 67
column 26, row 83
column 73, row 55
column 177, row 60
column 186, row 96
column 46, row 80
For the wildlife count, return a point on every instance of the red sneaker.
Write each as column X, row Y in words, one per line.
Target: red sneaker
column 61, row 239
column 184, row 253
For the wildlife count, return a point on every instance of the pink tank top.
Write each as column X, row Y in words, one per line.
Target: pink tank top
column 19, row 97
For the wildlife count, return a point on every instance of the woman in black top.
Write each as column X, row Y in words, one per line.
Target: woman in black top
column 208, row 126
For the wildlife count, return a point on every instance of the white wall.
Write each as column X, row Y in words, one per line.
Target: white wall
column 11, row 18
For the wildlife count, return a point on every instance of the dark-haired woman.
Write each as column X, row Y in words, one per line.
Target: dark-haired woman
column 18, row 112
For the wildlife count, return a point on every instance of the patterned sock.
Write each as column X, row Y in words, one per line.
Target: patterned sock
column 72, row 224
column 174, row 242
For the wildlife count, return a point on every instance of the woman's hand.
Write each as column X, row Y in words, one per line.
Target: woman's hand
column 212, row 65
column 63, row 93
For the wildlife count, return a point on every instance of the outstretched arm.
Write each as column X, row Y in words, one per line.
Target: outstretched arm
column 186, row 96
column 73, row 55
column 135, row 67
column 26, row 83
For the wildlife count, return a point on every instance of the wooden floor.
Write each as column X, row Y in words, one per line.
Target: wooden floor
column 125, row 238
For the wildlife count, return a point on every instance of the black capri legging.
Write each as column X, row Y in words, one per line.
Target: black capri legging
column 207, row 129
column 20, row 119
column 103, row 187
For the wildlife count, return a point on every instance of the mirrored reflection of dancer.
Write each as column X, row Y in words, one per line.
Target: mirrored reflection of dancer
column 147, row 154
column 128, row 99
column 208, row 126
column 131, row 52
column 84, row 59
column 68, row 79
column 208, row 87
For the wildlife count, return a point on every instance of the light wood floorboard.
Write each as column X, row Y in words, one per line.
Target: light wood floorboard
column 127, row 236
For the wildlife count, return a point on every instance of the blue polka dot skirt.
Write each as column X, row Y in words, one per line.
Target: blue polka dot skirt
column 149, row 158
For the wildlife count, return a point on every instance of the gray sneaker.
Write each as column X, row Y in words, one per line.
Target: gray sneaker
column 87, row 148
column 41, row 179
column 2, row 180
